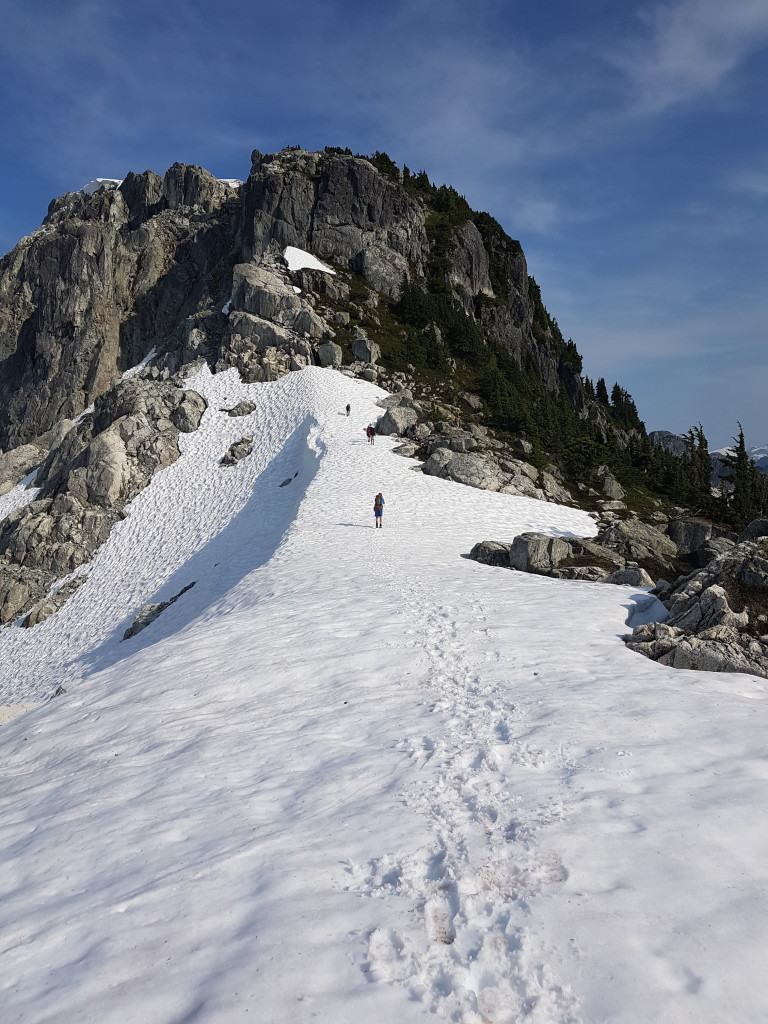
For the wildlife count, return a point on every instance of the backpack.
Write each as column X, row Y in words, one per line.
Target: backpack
column 378, row 502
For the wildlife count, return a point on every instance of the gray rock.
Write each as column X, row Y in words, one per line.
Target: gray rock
column 630, row 577
column 639, row 541
column 553, row 490
column 712, row 549
column 365, row 350
column 470, row 469
column 538, row 553
column 610, row 485
column 522, row 447
column 475, row 402
column 329, row 354
column 261, row 291
column 188, row 413
column 491, row 552
column 20, row 587
column 408, row 449
column 241, row 409
column 237, row 450
column 720, row 649
column 51, row 604
column 469, row 273
column 150, row 612
column 396, row 420
column 689, row 534
column 585, row 573
column 757, row 528
column 17, row 463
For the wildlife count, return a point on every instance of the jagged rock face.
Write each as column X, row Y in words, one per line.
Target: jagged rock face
column 337, row 207
column 151, row 264
column 107, row 277
column 469, row 274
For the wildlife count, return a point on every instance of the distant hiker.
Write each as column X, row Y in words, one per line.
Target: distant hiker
column 370, row 433
column 348, row 408
column 458, row 419
column 378, row 509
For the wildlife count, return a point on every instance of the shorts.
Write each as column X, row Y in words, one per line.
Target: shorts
column 378, row 513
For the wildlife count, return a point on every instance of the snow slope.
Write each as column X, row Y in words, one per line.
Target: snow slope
column 353, row 776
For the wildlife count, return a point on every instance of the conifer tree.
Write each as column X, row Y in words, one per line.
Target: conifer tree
column 746, row 490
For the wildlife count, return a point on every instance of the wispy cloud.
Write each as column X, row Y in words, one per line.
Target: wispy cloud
column 688, row 48
column 753, row 182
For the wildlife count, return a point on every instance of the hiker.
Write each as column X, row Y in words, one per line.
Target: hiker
column 348, row 408
column 378, row 509
column 370, row 431
column 458, row 419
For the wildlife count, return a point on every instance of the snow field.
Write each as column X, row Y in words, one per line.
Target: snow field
column 351, row 775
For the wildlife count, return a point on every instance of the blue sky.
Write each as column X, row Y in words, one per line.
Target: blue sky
column 623, row 143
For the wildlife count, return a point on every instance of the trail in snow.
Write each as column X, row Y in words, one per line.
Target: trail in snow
column 351, row 775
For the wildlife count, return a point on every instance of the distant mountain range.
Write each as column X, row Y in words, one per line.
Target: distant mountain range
column 676, row 444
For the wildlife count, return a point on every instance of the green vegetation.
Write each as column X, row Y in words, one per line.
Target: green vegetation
column 431, row 331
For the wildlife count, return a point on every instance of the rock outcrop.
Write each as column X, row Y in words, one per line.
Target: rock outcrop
column 185, row 266
column 718, row 616
column 612, row 557
column 100, row 465
column 471, row 455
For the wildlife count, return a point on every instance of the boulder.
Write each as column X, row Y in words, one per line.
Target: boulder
column 491, row 552
column 689, row 534
column 188, row 413
column 365, row 350
column 610, row 486
column 640, row 542
column 470, row 469
column 757, row 528
column 522, row 447
column 630, row 577
column 241, row 409
column 330, row 354
column 20, row 587
column 553, row 490
column 585, row 573
column 475, row 402
column 237, row 450
column 396, row 420
column 538, row 553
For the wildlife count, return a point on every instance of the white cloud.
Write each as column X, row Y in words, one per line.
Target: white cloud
column 689, row 48
column 753, row 182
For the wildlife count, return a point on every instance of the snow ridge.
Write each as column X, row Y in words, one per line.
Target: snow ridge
column 352, row 775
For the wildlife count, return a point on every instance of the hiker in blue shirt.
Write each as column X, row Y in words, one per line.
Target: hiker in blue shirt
column 378, row 509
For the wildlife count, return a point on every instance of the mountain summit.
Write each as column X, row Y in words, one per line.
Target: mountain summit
column 275, row 763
